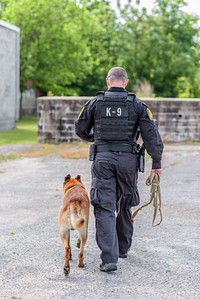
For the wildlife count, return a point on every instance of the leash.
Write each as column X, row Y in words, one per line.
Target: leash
column 155, row 196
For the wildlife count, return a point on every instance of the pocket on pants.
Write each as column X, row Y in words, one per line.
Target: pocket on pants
column 94, row 192
column 136, row 198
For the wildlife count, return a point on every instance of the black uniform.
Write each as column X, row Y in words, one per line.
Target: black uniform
column 111, row 120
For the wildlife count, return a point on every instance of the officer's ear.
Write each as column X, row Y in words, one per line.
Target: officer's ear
column 126, row 82
column 108, row 83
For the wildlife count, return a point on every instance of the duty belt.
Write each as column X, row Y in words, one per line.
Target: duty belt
column 126, row 148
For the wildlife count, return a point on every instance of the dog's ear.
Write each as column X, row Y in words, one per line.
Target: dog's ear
column 78, row 177
column 67, row 178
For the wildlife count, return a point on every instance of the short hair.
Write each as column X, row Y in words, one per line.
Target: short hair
column 117, row 74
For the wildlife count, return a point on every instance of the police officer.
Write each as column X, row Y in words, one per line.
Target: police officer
column 111, row 121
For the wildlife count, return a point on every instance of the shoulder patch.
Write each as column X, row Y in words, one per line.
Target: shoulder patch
column 149, row 113
column 81, row 112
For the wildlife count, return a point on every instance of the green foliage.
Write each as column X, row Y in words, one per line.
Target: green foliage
column 67, row 47
column 54, row 50
column 161, row 47
column 196, row 84
column 104, row 46
column 183, row 88
column 3, row 4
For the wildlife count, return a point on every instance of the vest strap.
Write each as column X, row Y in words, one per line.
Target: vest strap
column 131, row 96
column 100, row 95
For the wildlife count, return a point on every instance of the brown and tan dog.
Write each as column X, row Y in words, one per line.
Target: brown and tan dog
column 74, row 215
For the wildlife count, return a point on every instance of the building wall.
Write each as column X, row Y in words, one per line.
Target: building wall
column 177, row 119
column 9, row 75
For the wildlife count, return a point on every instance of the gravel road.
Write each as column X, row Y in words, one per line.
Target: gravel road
column 164, row 262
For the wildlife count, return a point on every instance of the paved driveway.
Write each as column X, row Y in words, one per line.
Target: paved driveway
column 163, row 261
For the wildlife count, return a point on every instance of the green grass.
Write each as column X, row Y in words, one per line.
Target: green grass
column 25, row 132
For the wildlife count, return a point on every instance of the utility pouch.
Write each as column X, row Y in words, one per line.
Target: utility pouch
column 92, row 152
column 141, row 157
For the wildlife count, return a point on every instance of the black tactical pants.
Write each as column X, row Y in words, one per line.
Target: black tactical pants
column 113, row 193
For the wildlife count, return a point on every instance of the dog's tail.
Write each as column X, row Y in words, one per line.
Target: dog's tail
column 77, row 219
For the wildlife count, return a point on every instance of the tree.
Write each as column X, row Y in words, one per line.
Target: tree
column 67, row 47
column 54, row 45
column 3, row 4
column 104, row 45
column 162, row 46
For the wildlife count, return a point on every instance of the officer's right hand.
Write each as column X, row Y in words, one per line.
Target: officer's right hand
column 158, row 171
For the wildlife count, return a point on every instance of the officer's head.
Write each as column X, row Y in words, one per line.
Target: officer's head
column 117, row 77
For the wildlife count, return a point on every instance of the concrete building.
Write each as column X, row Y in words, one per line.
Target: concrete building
column 9, row 76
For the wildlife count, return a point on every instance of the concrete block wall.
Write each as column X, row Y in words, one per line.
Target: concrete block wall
column 56, row 116
column 9, row 75
column 178, row 120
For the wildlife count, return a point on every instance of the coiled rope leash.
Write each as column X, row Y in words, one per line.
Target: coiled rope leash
column 155, row 196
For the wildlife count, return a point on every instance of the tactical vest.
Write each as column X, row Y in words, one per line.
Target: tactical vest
column 112, row 117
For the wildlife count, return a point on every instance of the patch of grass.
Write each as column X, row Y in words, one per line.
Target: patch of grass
column 64, row 150
column 25, row 132
column 6, row 158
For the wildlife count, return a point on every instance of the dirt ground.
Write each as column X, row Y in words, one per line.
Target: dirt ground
column 163, row 261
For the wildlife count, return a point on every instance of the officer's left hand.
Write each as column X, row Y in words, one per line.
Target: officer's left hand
column 158, row 171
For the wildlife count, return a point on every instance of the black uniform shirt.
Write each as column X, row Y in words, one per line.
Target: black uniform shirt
column 149, row 133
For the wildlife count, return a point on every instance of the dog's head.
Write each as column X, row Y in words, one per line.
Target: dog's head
column 70, row 182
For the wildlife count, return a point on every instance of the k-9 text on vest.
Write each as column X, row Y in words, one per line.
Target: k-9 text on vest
column 110, row 112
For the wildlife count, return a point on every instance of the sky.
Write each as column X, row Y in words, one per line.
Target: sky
column 192, row 7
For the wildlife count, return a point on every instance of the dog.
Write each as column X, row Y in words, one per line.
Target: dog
column 73, row 215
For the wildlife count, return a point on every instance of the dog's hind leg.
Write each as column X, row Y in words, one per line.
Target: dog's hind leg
column 78, row 242
column 83, row 239
column 65, row 238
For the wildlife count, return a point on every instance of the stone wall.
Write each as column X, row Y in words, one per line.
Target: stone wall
column 9, row 75
column 177, row 119
column 56, row 116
